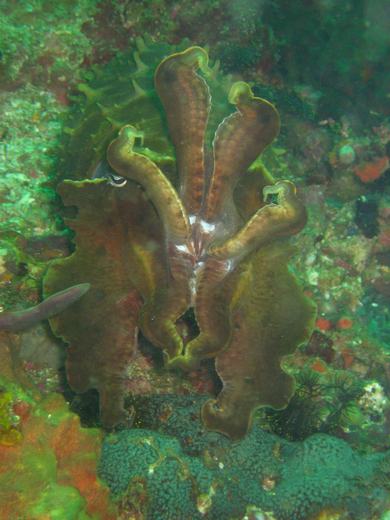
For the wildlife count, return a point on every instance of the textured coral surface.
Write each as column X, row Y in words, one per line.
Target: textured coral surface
column 155, row 475
column 62, row 101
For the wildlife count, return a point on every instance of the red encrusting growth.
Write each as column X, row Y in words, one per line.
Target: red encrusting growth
column 370, row 172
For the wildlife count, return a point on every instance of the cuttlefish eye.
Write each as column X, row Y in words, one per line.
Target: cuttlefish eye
column 116, row 180
column 104, row 171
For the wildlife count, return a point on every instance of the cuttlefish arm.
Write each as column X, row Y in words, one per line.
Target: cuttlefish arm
column 270, row 223
column 273, row 221
column 239, row 139
column 168, row 301
column 186, row 99
column 15, row 321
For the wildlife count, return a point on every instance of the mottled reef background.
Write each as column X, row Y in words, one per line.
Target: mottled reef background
column 325, row 65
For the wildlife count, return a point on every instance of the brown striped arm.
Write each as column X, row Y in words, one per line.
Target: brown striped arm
column 286, row 217
column 186, row 100
column 239, row 139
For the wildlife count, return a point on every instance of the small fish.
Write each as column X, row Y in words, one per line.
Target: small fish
column 16, row 321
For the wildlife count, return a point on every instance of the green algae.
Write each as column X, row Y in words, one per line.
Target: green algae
column 64, row 46
column 60, row 503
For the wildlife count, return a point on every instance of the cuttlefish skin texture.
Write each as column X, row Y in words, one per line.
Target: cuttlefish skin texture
column 154, row 248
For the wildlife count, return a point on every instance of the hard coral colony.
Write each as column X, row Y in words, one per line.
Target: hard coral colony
column 151, row 254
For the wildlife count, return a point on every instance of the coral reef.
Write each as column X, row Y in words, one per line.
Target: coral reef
column 150, row 256
column 52, row 58
column 154, row 476
column 322, row 65
column 48, row 462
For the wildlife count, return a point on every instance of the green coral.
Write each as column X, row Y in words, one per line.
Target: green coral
column 152, row 473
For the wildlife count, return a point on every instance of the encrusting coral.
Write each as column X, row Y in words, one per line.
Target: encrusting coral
column 170, row 467
column 151, row 254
